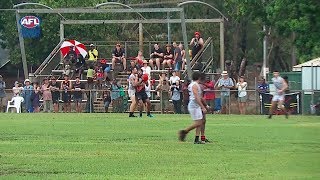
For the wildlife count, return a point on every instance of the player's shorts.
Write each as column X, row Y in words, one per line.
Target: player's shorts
column 278, row 97
column 142, row 96
column 131, row 93
column 195, row 113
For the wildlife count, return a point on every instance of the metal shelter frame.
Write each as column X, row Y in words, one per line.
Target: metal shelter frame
column 180, row 10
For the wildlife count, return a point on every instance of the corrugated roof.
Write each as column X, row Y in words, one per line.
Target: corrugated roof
column 313, row 62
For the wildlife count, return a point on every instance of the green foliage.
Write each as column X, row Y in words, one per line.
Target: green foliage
column 111, row 146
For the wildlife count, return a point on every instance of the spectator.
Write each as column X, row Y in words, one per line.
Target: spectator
column 183, row 56
column 139, row 59
column 242, row 94
column 78, row 87
column 106, row 100
column 55, row 92
column 118, row 54
column 163, row 90
column 176, row 98
column 35, row 97
column 2, row 94
column 168, row 57
column 46, row 95
column 185, row 95
column 177, row 58
column 115, row 96
column 79, row 66
column 93, row 55
column 209, row 95
column 225, row 84
column 196, row 43
column 17, row 89
column 99, row 76
column 146, row 69
column 262, row 87
column 174, row 78
column 66, row 87
column 162, row 77
column 133, row 65
column 90, row 74
column 156, row 56
column 26, row 94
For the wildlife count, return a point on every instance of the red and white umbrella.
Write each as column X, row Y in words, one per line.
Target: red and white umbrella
column 79, row 48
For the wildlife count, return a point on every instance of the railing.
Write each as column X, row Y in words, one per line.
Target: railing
column 199, row 55
column 47, row 65
column 297, row 102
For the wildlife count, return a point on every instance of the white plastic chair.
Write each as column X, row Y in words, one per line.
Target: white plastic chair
column 15, row 103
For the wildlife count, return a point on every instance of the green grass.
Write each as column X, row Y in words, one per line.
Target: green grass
column 111, row 146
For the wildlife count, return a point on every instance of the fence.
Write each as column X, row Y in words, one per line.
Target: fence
column 297, row 102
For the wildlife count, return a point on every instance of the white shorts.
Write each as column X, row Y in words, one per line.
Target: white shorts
column 278, row 97
column 196, row 113
column 131, row 93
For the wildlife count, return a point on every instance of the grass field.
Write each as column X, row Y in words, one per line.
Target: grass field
column 111, row 146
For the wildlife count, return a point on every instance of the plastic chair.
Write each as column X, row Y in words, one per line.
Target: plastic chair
column 15, row 103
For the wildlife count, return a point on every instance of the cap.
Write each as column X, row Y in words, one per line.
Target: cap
column 197, row 33
column 145, row 62
column 168, row 45
column 53, row 78
column 0, row 76
column 91, row 45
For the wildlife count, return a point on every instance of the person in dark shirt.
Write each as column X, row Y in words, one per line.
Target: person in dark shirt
column 78, row 87
column 196, row 43
column 55, row 91
column 168, row 57
column 262, row 87
column 79, row 65
column 118, row 54
column 156, row 56
column 106, row 100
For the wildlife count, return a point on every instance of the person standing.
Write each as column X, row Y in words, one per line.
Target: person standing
column 262, row 87
column 177, row 58
column 2, row 94
column 209, row 95
column 66, row 94
column 78, row 87
column 26, row 94
column 279, row 95
column 46, row 95
column 55, row 91
column 176, row 97
column 242, row 94
column 195, row 108
column 35, row 97
column 225, row 84
column 185, row 95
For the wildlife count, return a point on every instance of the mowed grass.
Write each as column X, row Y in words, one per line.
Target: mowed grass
column 112, row 146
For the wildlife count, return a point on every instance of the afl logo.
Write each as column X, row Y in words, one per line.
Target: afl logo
column 30, row 22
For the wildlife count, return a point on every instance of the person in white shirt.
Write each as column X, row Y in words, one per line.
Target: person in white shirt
column 174, row 78
column 242, row 94
column 146, row 69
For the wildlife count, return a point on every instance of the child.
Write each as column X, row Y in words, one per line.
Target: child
column 106, row 100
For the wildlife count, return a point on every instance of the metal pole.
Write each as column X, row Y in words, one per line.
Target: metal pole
column 61, row 37
column 222, row 45
column 264, row 64
column 169, row 35
column 22, row 49
column 140, row 37
column 185, row 42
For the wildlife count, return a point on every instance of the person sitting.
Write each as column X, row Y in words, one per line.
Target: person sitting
column 118, row 54
column 168, row 57
column 139, row 59
column 156, row 56
column 79, row 65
